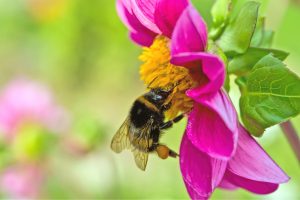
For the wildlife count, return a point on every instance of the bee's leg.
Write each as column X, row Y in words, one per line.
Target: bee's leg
column 153, row 147
column 173, row 153
column 166, row 107
column 170, row 123
column 164, row 152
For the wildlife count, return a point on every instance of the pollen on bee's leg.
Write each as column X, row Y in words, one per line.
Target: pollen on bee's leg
column 157, row 72
column 164, row 152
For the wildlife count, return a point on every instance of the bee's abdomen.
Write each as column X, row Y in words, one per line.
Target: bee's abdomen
column 145, row 118
column 142, row 111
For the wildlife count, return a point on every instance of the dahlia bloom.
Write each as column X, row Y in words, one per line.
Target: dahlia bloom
column 216, row 151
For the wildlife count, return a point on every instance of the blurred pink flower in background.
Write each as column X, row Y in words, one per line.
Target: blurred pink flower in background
column 29, row 118
column 22, row 181
column 23, row 101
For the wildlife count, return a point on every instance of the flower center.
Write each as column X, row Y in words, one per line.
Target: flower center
column 157, row 72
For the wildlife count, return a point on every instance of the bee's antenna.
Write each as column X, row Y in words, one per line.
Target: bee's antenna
column 178, row 82
column 149, row 86
column 174, row 85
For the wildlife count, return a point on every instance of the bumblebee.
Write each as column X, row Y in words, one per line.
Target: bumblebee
column 144, row 125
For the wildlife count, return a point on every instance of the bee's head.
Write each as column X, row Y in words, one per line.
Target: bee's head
column 158, row 96
column 162, row 92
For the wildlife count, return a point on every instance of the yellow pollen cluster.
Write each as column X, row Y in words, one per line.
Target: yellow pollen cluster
column 157, row 72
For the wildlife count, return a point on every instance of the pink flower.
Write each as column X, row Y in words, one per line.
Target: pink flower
column 188, row 34
column 250, row 168
column 23, row 101
column 21, row 181
column 211, row 154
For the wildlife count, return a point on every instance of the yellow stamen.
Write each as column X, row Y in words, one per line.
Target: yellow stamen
column 157, row 71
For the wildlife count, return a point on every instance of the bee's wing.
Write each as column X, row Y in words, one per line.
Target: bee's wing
column 120, row 140
column 141, row 159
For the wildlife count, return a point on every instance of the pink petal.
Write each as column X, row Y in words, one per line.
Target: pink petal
column 225, row 184
column 212, row 67
column 194, row 194
column 252, row 168
column 138, row 32
column 212, row 125
column 190, row 33
column 144, row 11
column 200, row 172
column 142, row 38
column 253, row 186
column 167, row 13
column 125, row 13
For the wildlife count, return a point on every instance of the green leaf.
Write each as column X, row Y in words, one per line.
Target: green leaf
column 270, row 96
column 237, row 36
column 242, row 83
column 220, row 14
column 259, row 33
column 262, row 38
column 220, row 11
column 242, row 64
column 227, row 83
column 267, row 39
column 204, row 7
column 213, row 48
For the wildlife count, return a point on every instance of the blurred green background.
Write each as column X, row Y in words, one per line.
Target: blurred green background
column 81, row 50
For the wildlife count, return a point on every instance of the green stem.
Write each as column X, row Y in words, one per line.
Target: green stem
column 292, row 137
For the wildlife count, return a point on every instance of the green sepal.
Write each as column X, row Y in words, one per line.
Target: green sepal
column 269, row 96
column 237, row 36
column 243, row 64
